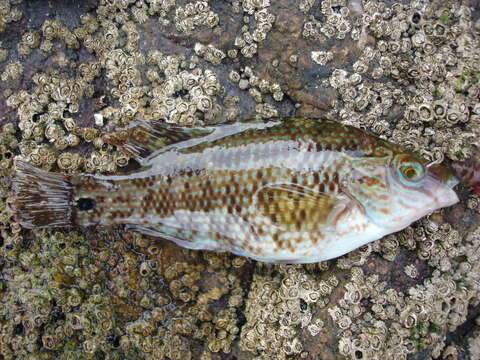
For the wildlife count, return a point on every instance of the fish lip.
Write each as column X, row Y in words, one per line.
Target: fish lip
column 442, row 181
column 445, row 198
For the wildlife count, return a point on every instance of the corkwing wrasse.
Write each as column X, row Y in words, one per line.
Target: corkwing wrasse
column 296, row 190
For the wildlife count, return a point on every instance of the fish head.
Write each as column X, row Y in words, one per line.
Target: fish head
column 399, row 190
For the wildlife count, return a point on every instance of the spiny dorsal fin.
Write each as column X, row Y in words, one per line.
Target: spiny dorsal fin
column 142, row 138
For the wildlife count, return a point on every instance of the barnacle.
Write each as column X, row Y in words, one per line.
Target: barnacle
column 234, row 76
column 322, row 57
column 12, row 71
column 69, row 161
column 305, row 5
column 266, row 110
column 209, row 53
column 255, row 94
column 411, row 271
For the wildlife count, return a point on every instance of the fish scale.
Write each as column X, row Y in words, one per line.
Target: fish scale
column 297, row 190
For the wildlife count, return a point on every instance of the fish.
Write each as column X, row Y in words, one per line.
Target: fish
column 292, row 190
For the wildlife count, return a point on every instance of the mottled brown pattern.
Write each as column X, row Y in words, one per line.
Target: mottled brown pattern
column 254, row 189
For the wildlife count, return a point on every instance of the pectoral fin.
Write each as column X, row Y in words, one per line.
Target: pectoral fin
column 142, row 138
column 297, row 208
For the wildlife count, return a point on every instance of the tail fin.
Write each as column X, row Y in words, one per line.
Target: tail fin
column 41, row 198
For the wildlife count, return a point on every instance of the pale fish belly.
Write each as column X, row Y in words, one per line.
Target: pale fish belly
column 259, row 238
column 354, row 231
column 351, row 231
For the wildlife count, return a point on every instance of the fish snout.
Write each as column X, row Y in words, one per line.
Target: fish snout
column 443, row 195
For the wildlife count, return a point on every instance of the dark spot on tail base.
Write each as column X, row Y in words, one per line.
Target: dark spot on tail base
column 85, row 204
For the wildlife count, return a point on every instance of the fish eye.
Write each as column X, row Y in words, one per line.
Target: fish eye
column 85, row 204
column 412, row 171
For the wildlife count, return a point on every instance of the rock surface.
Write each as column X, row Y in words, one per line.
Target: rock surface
column 72, row 70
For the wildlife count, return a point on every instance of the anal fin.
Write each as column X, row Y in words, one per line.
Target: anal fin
column 188, row 239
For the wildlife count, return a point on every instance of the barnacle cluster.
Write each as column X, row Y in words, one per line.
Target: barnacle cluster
column 278, row 307
column 195, row 14
column 181, row 311
column 45, row 114
column 446, row 89
column 43, row 313
column 66, row 297
column 420, row 317
column 51, row 30
column 250, row 38
column 9, row 13
column 8, row 142
column 305, row 5
column 180, row 96
column 336, row 22
column 121, row 11
column 424, row 313
column 411, row 76
column 257, row 89
column 209, row 53
column 474, row 345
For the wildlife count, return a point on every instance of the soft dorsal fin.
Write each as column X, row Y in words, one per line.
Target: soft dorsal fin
column 141, row 138
column 298, row 208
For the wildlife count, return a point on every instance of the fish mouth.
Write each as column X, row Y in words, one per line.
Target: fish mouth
column 442, row 181
column 442, row 194
column 443, row 175
column 446, row 197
